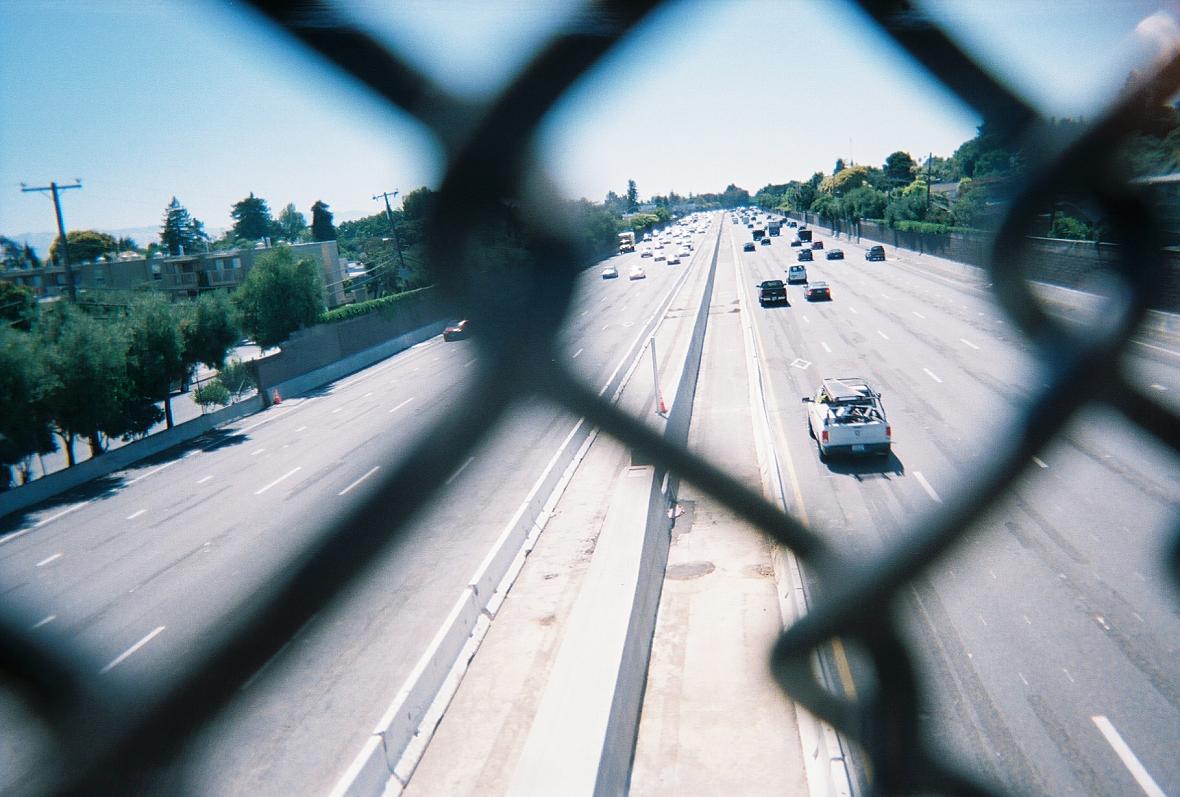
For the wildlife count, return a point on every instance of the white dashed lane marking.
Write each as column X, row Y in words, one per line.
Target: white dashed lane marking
column 49, row 559
column 926, row 486
column 930, row 374
column 122, row 657
column 969, row 344
column 134, row 515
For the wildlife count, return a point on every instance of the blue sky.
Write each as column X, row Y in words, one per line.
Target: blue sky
column 146, row 100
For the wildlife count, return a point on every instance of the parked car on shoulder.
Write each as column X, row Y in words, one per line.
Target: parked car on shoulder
column 875, row 253
column 835, row 254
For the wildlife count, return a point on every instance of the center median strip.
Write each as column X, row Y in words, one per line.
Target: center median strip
column 389, row 756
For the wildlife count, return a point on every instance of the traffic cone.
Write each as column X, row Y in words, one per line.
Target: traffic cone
column 276, row 398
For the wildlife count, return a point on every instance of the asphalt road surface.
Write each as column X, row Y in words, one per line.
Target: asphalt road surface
column 139, row 567
column 1049, row 641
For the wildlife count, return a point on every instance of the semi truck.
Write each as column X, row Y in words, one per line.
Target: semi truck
column 626, row 242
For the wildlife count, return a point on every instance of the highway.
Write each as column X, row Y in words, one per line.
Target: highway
column 137, row 568
column 1049, row 641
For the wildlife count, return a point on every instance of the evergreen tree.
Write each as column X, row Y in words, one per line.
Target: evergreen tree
column 291, row 223
column 322, row 228
column 180, row 233
column 252, row 218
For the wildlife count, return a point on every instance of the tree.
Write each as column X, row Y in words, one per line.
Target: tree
column 734, row 197
column 322, row 228
column 291, row 223
column 237, row 378
column 85, row 245
column 212, row 393
column 180, row 233
column 839, row 167
column 209, row 330
column 155, row 356
column 25, row 428
column 864, row 202
column 845, row 180
column 252, row 219
column 898, row 170
column 15, row 255
column 632, row 196
column 281, row 294
column 18, row 305
column 88, row 385
column 1069, row 227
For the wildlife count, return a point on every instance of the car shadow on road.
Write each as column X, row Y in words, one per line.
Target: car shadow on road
column 862, row 468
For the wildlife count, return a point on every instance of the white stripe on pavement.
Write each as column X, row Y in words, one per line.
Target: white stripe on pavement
column 1129, row 759
column 926, row 486
column 286, row 475
column 455, row 475
column 49, row 559
column 46, row 621
column 404, row 403
column 371, row 471
column 122, row 657
column 134, row 515
column 930, row 374
column 151, row 473
column 969, row 343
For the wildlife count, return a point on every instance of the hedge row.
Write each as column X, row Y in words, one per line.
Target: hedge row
column 385, row 303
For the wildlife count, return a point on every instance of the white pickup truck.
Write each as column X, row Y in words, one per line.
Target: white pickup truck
column 846, row 417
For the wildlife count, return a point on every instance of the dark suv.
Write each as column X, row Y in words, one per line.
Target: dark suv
column 875, row 253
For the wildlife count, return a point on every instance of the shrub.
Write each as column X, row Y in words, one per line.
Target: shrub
column 212, row 393
column 385, row 304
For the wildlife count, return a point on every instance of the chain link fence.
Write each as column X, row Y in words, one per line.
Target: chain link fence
column 111, row 740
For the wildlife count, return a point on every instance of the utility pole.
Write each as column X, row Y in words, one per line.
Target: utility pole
column 397, row 241
column 54, row 188
column 929, row 158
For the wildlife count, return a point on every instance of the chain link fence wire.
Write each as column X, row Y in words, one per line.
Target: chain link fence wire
column 112, row 740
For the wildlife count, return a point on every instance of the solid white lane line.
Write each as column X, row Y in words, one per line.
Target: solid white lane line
column 826, row 347
column 122, row 657
column 1040, row 464
column 968, row 343
column 404, row 403
column 151, row 473
column 204, row 479
column 919, row 315
column 1157, row 348
column 300, row 429
column 273, row 414
column 49, row 559
column 286, row 475
column 256, row 453
column 882, row 334
column 926, row 486
column 930, row 374
column 134, row 515
column 578, row 352
column 371, row 471
column 45, row 621
column 1128, row 757
column 455, row 475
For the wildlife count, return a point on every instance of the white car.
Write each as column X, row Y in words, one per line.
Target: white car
column 637, row 273
column 673, row 259
column 610, row 273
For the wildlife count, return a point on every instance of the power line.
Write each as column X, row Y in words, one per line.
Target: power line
column 54, row 188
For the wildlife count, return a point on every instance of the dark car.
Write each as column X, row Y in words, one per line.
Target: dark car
column 804, row 254
column 796, row 242
column 835, row 254
column 817, row 244
column 766, row 241
column 816, row 291
column 457, row 330
column 792, row 224
column 748, row 246
column 875, row 253
column 772, row 292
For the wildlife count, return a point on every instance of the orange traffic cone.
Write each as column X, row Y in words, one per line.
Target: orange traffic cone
column 276, row 398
